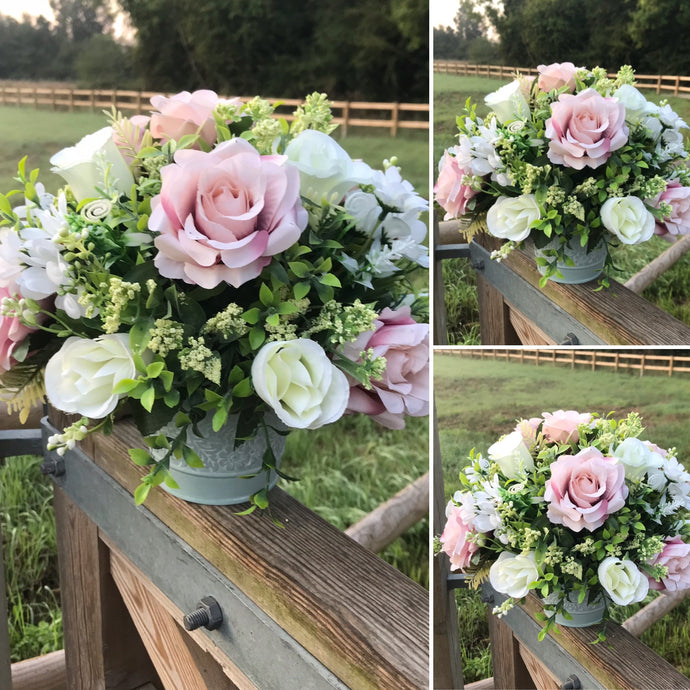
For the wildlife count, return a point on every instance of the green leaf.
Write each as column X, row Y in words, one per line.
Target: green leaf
column 172, row 398
column 154, row 369
column 330, row 279
column 252, row 316
column 219, row 418
column 260, row 499
column 148, row 398
column 140, row 493
column 191, row 458
column 265, row 295
column 256, row 337
column 140, row 457
column 249, row 511
column 167, row 377
column 273, row 320
column 300, row 269
column 170, row 482
column 139, row 335
column 243, row 389
column 301, row 290
column 5, row 205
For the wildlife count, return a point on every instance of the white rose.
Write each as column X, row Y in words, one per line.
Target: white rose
column 510, row 217
column 639, row 110
column 80, row 378
column 84, row 166
column 512, row 455
column 508, row 102
column 326, row 170
column 296, row 378
column 623, row 582
column 512, row 574
column 636, row 458
column 364, row 208
column 628, row 219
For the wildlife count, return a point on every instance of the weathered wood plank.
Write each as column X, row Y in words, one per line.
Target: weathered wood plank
column 45, row 672
column 615, row 314
column 177, row 665
column 495, row 327
column 440, row 321
column 541, row 676
column 5, row 673
column 510, row 671
column 652, row 612
column 447, row 661
column 361, row 618
column 102, row 648
column 604, row 661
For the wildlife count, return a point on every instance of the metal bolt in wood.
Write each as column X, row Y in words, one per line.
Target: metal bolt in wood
column 208, row 614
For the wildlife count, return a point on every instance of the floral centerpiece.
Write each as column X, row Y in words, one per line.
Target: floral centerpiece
column 575, row 508
column 574, row 161
column 210, row 260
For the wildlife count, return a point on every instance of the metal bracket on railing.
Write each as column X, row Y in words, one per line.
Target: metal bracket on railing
column 571, row 339
column 53, row 466
column 571, row 683
column 457, row 581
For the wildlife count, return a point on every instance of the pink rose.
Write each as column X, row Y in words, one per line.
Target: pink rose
column 676, row 557
column 655, row 449
column 561, row 426
column 185, row 113
column 222, row 215
column 678, row 223
column 12, row 333
column 454, row 537
column 585, row 489
column 528, row 428
column 404, row 387
column 556, row 76
column 584, row 129
column 451, row 194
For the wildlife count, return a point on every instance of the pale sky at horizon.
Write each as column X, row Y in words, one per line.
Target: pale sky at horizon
column 15, row 8
column 443, row 12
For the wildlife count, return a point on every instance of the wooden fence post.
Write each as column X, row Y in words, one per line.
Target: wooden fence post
column 658, row 84
column 675, row 91
column 71, row 100
column 395, row 109
column 346, row 117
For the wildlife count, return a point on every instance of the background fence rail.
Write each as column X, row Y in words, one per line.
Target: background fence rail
column 391, row 116
column 644, row 363
column 657, row 82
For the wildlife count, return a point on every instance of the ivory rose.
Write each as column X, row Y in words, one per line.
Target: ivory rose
column 81, row 376
column 404, row 387
column 636, row 458
column 509, row 102
column 561, row 426
column 584, row 129
column 512, row 455
column 510, row 218
column 456, row 539
column 628, row 219
column 556, row 76
column 326, row 170
column 296, row 378
column 222, row 215
column 12, row 333
column 678, row 223
column 184, row 113
column 451, row 192
column 584, row 489
column 622, row 580
column 512, row 574
column 84, row 166
column 676, row 557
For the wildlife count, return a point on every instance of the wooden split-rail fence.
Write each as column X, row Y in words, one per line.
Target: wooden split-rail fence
column 304, row 606
column 673, row 83
column 514, row 310
column 391, row 116
column 646, row 362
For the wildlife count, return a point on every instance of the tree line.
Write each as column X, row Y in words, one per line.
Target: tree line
column 354, row 49
column 650, row 35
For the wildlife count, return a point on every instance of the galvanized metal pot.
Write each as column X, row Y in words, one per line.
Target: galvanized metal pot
column 588, row 265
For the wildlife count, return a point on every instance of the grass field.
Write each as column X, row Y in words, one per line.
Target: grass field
column 346, row 469
column 671, row 292
column 477, row 401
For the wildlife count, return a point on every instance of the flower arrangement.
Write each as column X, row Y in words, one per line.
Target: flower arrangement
column 572, row 506
column 571, row 160
column 210, row 259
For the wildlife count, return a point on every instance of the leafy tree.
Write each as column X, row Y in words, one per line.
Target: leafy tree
column 102, row 63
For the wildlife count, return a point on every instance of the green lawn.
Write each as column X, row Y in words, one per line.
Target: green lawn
column 477, row 401
column 671, row 292
column 346, row 469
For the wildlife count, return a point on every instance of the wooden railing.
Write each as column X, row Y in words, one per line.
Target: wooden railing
column 391, row 116
column 303, row 606
column 513, row 310
column 657, row 82
column 616, row 360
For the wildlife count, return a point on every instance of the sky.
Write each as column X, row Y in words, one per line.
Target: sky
column 442, row 12
column 15, row 8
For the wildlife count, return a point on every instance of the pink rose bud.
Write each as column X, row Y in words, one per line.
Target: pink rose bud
column 12, row 333
column 678, row 223
column 561, row 426
column 455, row 536
column 185, row 113
column 676, row 557
column 556, row 76
column 451, row 193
